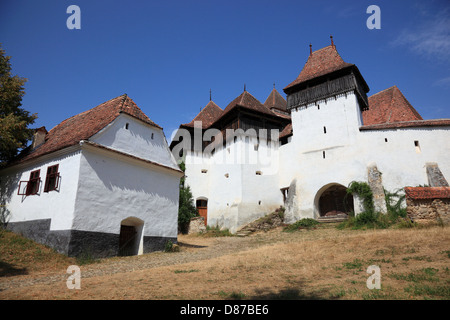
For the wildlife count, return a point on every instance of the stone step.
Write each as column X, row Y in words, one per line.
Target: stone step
column 331, row 219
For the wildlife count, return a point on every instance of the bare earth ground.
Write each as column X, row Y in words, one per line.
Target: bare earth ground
column 325, row 263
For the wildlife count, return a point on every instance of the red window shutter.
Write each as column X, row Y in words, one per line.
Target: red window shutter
column 34, row 183
column 52, row 178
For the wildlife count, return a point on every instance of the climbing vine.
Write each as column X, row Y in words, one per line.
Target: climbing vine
column 363, row 191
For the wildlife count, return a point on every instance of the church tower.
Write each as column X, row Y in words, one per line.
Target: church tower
column 326, row 101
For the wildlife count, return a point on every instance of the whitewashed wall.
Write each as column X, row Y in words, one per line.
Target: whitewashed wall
column 113, row 188
column 236, row 194
column 349, row 152
column 55, row 205
column 126, row 134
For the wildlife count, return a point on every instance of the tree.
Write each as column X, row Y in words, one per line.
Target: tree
column 186, row 209
column 14, row 120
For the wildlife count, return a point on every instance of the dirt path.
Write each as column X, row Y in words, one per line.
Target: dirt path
column 317, row 264
column 192, row 249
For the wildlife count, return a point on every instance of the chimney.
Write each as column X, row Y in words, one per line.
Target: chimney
column 38, row 137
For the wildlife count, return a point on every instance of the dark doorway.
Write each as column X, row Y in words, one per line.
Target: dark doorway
column 127, row 240
column 335, row 200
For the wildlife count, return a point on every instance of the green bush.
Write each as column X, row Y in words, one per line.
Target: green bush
column 306, row 223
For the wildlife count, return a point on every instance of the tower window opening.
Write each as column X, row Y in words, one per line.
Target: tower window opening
column 417, row 146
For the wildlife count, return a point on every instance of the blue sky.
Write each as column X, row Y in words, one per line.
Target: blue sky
column 167, row 55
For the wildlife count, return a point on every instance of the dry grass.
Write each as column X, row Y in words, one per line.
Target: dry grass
column 21, row 256
column 325, row 263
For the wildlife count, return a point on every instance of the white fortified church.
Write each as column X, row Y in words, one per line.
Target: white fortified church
column 247, row 160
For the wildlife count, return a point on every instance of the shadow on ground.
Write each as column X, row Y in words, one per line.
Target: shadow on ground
column 9, row 270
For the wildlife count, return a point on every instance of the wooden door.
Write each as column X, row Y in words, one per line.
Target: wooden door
column 127, row 240
column 202, row 207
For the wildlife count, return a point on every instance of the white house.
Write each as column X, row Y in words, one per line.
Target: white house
column 329, row 134
column 102, row 182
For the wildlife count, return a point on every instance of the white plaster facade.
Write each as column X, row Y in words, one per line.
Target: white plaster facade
column 328, row 147
column 124, row 174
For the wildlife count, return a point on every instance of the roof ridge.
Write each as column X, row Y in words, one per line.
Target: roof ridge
column 390, row 88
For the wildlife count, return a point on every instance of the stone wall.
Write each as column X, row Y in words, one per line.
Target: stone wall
column 197, row 225
column 428, row 204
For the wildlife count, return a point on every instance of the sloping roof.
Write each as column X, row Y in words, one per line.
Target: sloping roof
column 319, row 63
column 84, row 125
column 427, row 192
column 287, row 131
column 210, row 113
column 275, row 100
column 388, row 106
column 246, row 100
column 408, row 124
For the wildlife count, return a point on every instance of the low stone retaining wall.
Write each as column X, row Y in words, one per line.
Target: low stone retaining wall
column 428, row 204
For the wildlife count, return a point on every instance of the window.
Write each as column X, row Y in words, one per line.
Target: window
column 204, row 171
column 33, row 184
column 416, row 144
column 324, row 129
column 258, row 173
column 323, row 154
column 126, row 125
column 52, row 179
column 152, row 135
column 385, row 139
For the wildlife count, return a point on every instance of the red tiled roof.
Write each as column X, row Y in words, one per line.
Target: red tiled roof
column 275, row 100
column 427, row 192
column 84, row 125
column 210, row 113
column 319, row 63
column 287, row 131
column 246, row 100
column 388, row 106
column 408, row 124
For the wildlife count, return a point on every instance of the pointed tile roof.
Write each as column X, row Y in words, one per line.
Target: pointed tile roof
column 388, row 106
column 275, row 100
column 84, row 125
column 319, row 63
column 247, row 101
column 210, row 113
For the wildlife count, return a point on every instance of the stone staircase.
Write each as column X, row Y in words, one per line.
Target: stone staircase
column 265, row 223
column 332, row 218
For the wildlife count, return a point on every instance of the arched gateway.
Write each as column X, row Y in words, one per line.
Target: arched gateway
column 332, row 200
column 130, row 239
